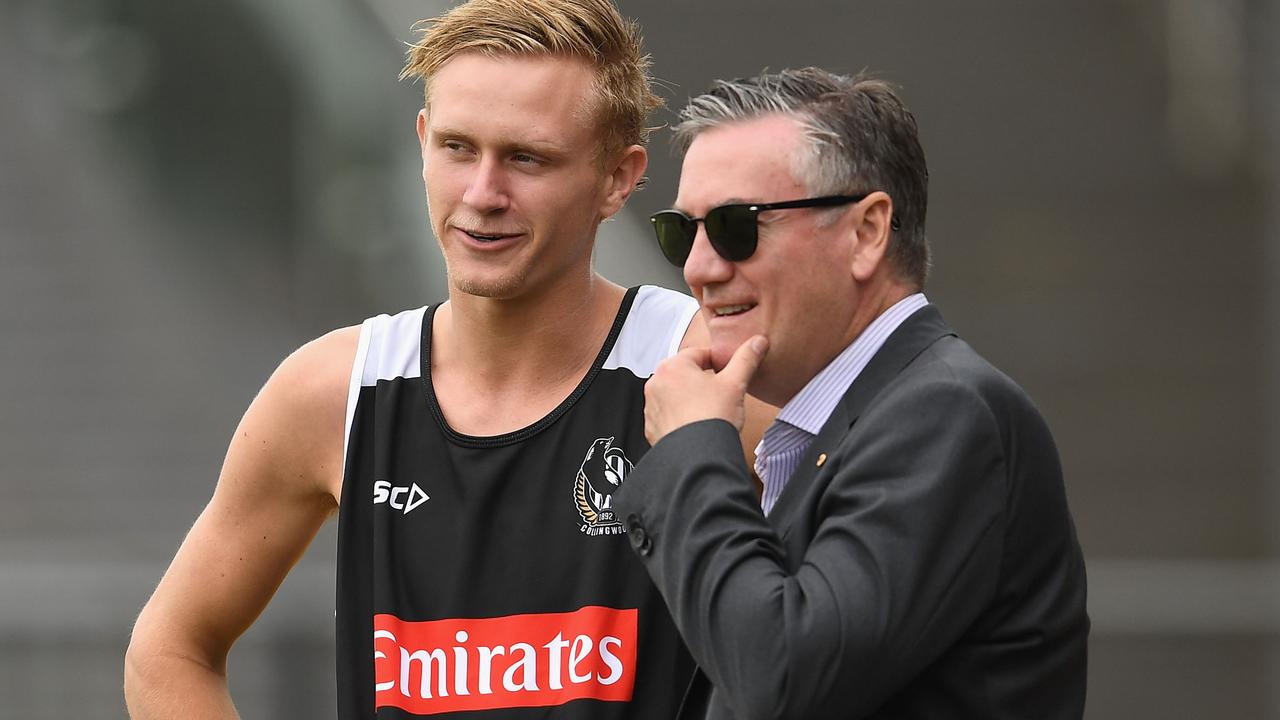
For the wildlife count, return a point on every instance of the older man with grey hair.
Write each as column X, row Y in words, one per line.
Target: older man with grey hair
column 911, row 554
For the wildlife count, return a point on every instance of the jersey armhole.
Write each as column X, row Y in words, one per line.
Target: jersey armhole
column 353, row 387
column 682, row 327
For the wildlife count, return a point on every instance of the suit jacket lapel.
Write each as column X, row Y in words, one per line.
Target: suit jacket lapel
column 916, row 333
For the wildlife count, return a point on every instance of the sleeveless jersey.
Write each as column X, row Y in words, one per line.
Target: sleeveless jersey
column 488, row 577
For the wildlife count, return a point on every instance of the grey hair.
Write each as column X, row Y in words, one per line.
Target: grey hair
column 861, row 138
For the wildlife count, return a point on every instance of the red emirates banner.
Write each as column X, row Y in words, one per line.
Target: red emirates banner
column 514, row 661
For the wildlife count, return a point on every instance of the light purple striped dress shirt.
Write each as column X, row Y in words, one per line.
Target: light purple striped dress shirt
column 787, row 439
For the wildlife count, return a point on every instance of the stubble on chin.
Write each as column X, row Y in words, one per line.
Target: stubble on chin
column 495, row 288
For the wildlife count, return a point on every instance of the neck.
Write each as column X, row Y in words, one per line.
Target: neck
column 537, row 336
column 878, row 299
column 873, row 300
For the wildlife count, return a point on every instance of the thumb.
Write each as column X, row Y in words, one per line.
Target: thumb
column 699, row 356
column 746, row 360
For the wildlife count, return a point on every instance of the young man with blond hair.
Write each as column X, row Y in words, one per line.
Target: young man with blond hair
column 470, row 449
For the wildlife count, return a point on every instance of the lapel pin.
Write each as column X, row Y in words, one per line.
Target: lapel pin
column 822, row 457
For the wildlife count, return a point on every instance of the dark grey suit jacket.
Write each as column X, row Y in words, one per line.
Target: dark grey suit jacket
column 926, row 567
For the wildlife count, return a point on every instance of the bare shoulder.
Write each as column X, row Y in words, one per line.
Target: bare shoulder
column 299, row 416
column 281, row 480
column 316, row 375
column 696, row 335
column 321, row 368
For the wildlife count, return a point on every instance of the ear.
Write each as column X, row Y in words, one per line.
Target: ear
column 422, row 139
column 872, row 231
column 621, row 182
column 422, row 129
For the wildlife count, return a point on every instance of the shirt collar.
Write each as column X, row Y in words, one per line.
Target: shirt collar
column 811, row 407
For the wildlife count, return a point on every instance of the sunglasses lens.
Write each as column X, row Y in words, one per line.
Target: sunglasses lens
column 675, row 232
column 732, row 231
column 730, row 228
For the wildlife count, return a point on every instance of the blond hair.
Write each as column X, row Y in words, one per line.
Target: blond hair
column 591, row 30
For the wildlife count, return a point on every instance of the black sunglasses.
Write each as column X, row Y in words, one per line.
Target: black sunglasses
column 732, row 229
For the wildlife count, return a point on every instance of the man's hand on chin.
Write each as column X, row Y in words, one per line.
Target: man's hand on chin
column 684, row 389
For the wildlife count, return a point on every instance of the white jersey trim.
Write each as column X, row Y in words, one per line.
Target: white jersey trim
column 353, row 385
column 393, row 343
column 655, row 313
column 395, row 349
column 390, row 346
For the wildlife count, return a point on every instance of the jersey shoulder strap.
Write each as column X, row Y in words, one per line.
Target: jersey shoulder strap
column 653, row 330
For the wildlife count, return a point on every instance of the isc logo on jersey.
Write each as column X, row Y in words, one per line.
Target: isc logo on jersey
column 532, row 660
column 399, row 497
column 601, row 473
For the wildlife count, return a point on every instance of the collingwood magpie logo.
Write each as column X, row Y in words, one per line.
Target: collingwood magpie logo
column 602, row 472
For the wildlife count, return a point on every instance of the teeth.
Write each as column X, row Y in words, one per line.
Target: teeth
column 732, row 309
column 480, row 236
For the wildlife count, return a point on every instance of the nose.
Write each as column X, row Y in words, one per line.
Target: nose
column 487, row 190
column 704, row 265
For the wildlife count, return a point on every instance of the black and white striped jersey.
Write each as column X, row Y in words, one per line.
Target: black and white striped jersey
column 489, row 576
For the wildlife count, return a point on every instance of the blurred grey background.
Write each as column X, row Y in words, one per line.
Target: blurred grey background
column 190, row 190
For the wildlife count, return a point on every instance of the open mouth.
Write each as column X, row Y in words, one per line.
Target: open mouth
column 729, row 310
column 487, row 237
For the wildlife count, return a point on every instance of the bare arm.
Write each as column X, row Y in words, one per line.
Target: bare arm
column 279, row 483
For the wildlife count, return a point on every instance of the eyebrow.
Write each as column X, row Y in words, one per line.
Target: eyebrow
column 726, row 201
column 541, row 147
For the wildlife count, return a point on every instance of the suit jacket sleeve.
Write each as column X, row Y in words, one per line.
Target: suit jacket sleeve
column 907, row 535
